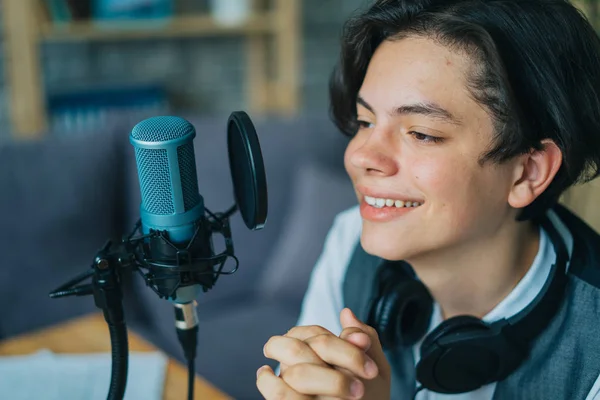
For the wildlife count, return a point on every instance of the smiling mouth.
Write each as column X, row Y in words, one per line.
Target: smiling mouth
column 381, row 203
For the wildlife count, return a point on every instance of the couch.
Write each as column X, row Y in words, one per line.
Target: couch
column 63, row 196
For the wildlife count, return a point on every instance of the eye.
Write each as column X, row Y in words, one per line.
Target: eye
column 364, row 124
column 421, row 137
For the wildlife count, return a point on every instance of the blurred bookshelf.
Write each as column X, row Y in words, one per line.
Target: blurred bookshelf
column 271, row 32
column 175, row 27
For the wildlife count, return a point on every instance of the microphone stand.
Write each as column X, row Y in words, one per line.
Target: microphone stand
column 106, row 289
column 176, row 268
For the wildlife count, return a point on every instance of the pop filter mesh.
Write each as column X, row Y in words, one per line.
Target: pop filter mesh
column 247, row 170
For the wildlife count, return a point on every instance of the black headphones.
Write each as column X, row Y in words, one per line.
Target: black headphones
column 463, row 353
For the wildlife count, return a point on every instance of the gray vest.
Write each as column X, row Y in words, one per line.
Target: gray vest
column 564, row 361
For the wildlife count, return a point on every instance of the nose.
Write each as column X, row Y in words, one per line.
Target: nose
column 375, row 157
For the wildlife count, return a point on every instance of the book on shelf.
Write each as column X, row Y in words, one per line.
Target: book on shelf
column 65, row 11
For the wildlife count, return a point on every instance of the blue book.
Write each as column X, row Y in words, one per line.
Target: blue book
column 132, row 9
column 59, row 11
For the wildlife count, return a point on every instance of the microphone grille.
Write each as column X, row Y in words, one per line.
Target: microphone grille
column 155, row 181
column 161, row 129
column 189, row 178
column 158, row 193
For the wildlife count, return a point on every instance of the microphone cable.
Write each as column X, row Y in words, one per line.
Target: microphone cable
column 186, row 325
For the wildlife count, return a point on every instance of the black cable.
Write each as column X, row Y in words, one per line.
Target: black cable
column 119, row 350
column 186, row 325
column 191, row 376
column 188, row 339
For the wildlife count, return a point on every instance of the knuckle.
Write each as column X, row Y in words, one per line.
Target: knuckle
column 349, row 331
column 295, row 374
column 293, row 330
column 369, row 330
column 296, row 349
column 317, row 330
column 307, row 330
column 280, row 394
column 321, row 341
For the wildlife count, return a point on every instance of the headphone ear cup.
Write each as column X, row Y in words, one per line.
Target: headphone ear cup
column 402, row 313
column 454, row 325
column 467, row 359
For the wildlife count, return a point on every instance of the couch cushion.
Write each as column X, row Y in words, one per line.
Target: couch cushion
column 60, row 198
column 318, row 196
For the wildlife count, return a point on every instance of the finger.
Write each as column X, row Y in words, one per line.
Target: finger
column 339, row 353
column 272, row 387
column 304, row 332
column 311, row 379
column 346, row 372
column 348, row 319
column 289, row 351
column 354, row 335
column 357, row 337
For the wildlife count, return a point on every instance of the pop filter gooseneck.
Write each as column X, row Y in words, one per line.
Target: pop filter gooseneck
column 247, row 170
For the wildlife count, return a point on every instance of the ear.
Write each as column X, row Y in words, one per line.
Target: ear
column 534, row 173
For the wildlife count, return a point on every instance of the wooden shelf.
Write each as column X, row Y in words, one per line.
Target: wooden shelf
column 272, row 79
column 180, row 26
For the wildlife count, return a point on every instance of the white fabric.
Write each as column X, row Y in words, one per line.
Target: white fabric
column 58, row 376
column 323, row 301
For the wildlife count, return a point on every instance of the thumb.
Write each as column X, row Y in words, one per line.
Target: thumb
column 349, row 320
column 353, row 330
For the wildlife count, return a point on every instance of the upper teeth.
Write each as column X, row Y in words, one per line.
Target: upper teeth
column 379, row 203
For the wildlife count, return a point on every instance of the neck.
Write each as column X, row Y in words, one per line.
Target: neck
column 473, row 279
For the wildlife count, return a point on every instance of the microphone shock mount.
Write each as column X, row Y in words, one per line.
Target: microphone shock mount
column 165, row 267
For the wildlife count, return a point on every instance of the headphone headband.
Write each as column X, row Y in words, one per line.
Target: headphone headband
column 533, row 319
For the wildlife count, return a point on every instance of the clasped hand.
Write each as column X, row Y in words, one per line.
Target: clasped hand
column 316, row 364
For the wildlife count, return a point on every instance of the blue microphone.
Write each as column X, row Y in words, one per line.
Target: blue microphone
column 164, row 154
column 172, row 205
column 166, row 166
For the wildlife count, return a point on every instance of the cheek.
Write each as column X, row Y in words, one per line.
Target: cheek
column 463, row 194
column 443, row 180
column 347, row 163
column 453, row 187
column 353, row 145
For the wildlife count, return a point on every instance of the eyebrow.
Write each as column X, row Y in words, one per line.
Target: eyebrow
column 427, row 109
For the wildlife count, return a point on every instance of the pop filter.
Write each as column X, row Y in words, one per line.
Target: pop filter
column 247, row 170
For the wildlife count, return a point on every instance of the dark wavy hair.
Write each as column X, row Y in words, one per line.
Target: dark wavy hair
column 536, row 71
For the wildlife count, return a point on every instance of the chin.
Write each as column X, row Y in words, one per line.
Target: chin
column 386, row 247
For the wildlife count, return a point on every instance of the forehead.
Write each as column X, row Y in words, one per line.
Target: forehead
column 417, row 69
